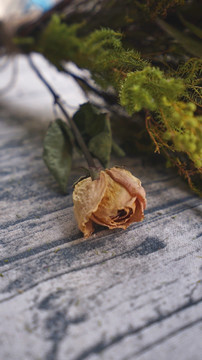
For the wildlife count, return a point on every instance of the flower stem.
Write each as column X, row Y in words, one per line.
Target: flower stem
column 77, row 134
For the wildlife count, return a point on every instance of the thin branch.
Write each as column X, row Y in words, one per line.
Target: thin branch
column 109, row 98
column 74, row 128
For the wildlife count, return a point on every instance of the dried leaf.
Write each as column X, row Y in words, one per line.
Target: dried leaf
column 117, row 150
column 57, row 153
column 96, row 130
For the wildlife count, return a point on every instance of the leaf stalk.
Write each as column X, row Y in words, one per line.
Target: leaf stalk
column 57, row 100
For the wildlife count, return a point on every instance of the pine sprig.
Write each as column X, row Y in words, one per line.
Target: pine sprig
column 170, row 94
column 141, row 86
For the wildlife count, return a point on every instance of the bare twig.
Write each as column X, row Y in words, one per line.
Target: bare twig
column 109, row 98
column 57, row 100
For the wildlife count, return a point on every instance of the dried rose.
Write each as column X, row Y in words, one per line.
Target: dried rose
column 115, row 200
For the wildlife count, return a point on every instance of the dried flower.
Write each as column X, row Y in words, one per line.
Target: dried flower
column 116, row 200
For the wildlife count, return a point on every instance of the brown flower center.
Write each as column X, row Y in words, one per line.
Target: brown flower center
column 122, row 214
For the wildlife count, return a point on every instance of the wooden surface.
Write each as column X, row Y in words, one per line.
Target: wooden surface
column 120, row 295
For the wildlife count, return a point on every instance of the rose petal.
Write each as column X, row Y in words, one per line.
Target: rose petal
column 138, row 215
column 115, row 199
column 130, row 182
column 86, row 197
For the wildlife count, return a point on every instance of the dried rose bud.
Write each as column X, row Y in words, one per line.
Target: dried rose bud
column 115, row 200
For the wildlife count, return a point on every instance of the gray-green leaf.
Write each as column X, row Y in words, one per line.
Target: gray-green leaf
column 89, row 120
column 96, row 130
column 100, row 147
column 57, row 152
column 117, row 150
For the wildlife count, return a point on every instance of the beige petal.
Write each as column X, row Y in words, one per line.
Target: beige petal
column 117, row 206
column 138, row 215
column 129, row 182
column 86, row 197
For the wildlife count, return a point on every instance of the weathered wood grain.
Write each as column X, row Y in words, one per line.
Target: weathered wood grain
column 120, row 295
